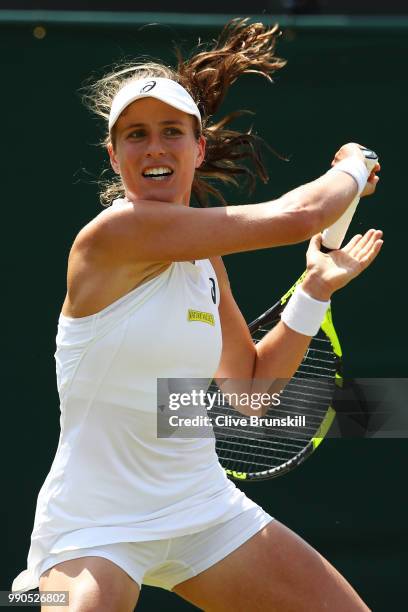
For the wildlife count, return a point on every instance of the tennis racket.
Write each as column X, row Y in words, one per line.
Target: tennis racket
column 333, row 236
column 252, row 453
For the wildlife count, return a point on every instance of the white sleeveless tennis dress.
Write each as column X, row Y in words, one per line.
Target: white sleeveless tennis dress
column 112, row 480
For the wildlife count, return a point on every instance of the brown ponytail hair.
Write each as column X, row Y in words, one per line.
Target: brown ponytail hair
column 240, row 49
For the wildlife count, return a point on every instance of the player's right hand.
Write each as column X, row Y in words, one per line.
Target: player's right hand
column 353, row 149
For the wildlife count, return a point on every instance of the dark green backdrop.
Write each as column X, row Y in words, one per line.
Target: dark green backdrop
column 343, row 83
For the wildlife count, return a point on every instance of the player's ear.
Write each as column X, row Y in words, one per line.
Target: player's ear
column 112, row 157
column 201, row 151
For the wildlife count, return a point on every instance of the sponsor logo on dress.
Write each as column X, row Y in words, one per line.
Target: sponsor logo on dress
column 213, row 292
column 202, row 317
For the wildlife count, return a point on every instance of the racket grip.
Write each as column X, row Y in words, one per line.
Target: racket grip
column 333, row 236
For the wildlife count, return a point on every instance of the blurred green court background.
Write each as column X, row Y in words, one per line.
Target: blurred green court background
column 345, row 81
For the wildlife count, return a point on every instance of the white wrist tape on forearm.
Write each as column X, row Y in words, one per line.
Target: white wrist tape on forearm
column 354, row 167
column 303, row 313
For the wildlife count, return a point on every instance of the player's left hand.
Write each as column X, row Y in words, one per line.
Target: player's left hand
column 328, row 272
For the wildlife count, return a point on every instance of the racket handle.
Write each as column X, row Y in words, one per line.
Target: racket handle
column 333, row 236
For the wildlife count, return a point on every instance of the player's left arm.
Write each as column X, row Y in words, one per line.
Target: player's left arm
column 277, row 356
column 279, row 353
column 238, row 350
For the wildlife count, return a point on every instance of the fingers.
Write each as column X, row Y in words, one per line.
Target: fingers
column 315, row 243
column 369, row 257
column 367, row 241
column 370, row 248
column 352, row 243
column 362, row 242
column 365, row 248
column 347, row 150
column 373, row 178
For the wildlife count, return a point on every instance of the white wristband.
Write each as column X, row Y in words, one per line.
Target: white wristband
column 354, row 167
column 303, row 313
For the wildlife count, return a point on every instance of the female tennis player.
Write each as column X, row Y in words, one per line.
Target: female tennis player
column 120, row 507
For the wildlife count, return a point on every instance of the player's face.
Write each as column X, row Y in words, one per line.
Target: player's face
column 156, row 152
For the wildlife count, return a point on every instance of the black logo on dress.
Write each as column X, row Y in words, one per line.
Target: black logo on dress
column 148, row 86
column 213, row 292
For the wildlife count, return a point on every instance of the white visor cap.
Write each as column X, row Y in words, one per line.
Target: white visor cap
column 166, row 90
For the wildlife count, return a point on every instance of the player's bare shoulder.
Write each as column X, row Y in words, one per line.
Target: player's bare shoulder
column 96, row 278
column 98, row 232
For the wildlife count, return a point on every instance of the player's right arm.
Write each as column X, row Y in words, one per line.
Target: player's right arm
column 159, row 231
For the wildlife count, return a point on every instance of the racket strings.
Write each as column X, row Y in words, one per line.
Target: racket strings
column 259, row 449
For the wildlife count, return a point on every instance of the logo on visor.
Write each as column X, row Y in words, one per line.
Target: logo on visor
column 148, row 86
